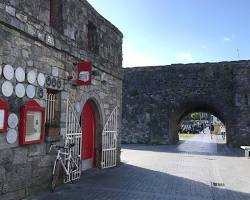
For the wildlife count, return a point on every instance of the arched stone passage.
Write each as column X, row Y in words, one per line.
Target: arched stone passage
column 191, row 107
column 156, row 98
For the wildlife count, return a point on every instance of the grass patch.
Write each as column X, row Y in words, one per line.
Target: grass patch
column 185, row 135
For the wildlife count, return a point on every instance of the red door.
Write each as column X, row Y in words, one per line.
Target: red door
column 88, row 133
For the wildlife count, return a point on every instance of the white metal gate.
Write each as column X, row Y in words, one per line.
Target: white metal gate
column 109, row 141
column 73, row 135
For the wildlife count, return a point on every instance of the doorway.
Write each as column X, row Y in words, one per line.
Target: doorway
column 88, row 121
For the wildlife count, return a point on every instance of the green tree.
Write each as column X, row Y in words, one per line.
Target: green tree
column 195, row 116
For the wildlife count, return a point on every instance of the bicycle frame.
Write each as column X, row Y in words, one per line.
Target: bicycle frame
column 65, row 166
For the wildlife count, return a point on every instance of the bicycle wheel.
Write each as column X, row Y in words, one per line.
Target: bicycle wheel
column 55, row 176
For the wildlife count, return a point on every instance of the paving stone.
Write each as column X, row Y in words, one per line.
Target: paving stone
column 180, row 172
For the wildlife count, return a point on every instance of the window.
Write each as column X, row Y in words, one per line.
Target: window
column 92, row 38
column 33, row 125
column 32, row 120
column 52, row 108
column 56, row 15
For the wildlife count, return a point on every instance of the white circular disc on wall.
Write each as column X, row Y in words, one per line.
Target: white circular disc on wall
column 11, row 136
column 31, row 77
column 7, row 88
column 30, row 91
column 12, row 120
column 20, row 74
column 20, row 90
column 8, row 72
column 55, row 71
column 41, row 79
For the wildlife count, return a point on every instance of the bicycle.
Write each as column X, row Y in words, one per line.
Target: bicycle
column 68, row 164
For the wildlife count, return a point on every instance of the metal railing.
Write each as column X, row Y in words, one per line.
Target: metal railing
column 109, row 141
column 73, row 135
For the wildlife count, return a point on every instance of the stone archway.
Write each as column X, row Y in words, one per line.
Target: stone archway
column 191, row 107
column 155, row 98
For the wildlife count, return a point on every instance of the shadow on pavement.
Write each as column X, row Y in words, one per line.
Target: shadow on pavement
column 128, row 182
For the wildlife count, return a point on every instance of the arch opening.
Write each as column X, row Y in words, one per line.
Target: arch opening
column 187, row 109
column 209, row 126
column 91, row 124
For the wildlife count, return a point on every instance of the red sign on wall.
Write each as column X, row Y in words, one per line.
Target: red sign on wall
column 84, row 73
column 32, row 123
column 4, row 109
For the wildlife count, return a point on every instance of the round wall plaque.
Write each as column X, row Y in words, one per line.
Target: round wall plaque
column 59, row 83
column 11, row 136
column 20, row 90
column 12, row 120
column 31, row 76
column 53, row 82
column 41, row 79
column 7, row 88
column 30, row 91
column 8, row 72
column 48, row 80
column 40, row 92
column 20, row 74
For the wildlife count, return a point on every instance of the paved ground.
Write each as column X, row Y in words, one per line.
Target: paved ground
column 178, row 172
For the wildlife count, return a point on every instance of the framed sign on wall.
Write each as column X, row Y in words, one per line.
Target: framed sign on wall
column 84, row 73
column 4, row 109
column 32, row 123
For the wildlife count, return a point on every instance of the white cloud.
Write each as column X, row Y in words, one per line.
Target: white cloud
column 229, row 38
column 184, row 57
column 134, row 59
column 226, row 39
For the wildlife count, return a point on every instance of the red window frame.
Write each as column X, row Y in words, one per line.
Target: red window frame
column 4, row 106
column 31, row 106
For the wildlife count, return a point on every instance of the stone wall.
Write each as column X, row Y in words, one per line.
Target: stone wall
column 155, row 99
column 29, row 42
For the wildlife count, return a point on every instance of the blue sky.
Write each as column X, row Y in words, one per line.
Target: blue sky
column 161, row 32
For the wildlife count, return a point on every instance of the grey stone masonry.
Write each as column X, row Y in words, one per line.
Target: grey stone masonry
column 30, row 41
column 155, row 99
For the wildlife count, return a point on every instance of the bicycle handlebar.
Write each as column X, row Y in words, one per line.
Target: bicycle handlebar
column 61, row 147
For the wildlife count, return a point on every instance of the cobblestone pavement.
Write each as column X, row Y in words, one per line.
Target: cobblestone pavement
column 176, row 172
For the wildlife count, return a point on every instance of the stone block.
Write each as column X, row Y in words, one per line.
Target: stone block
column 14, row 195
column 16, row 23
column 40, row 36
column 25, row 53
column 2, row 174
column 50, row 40
column 36, row 150
column 30, row 63
column 20, row 155
column 2, row 6
column 31, row 29
column 11, row 10
column 46, row 161
column 21, row 17
column 6, row 157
